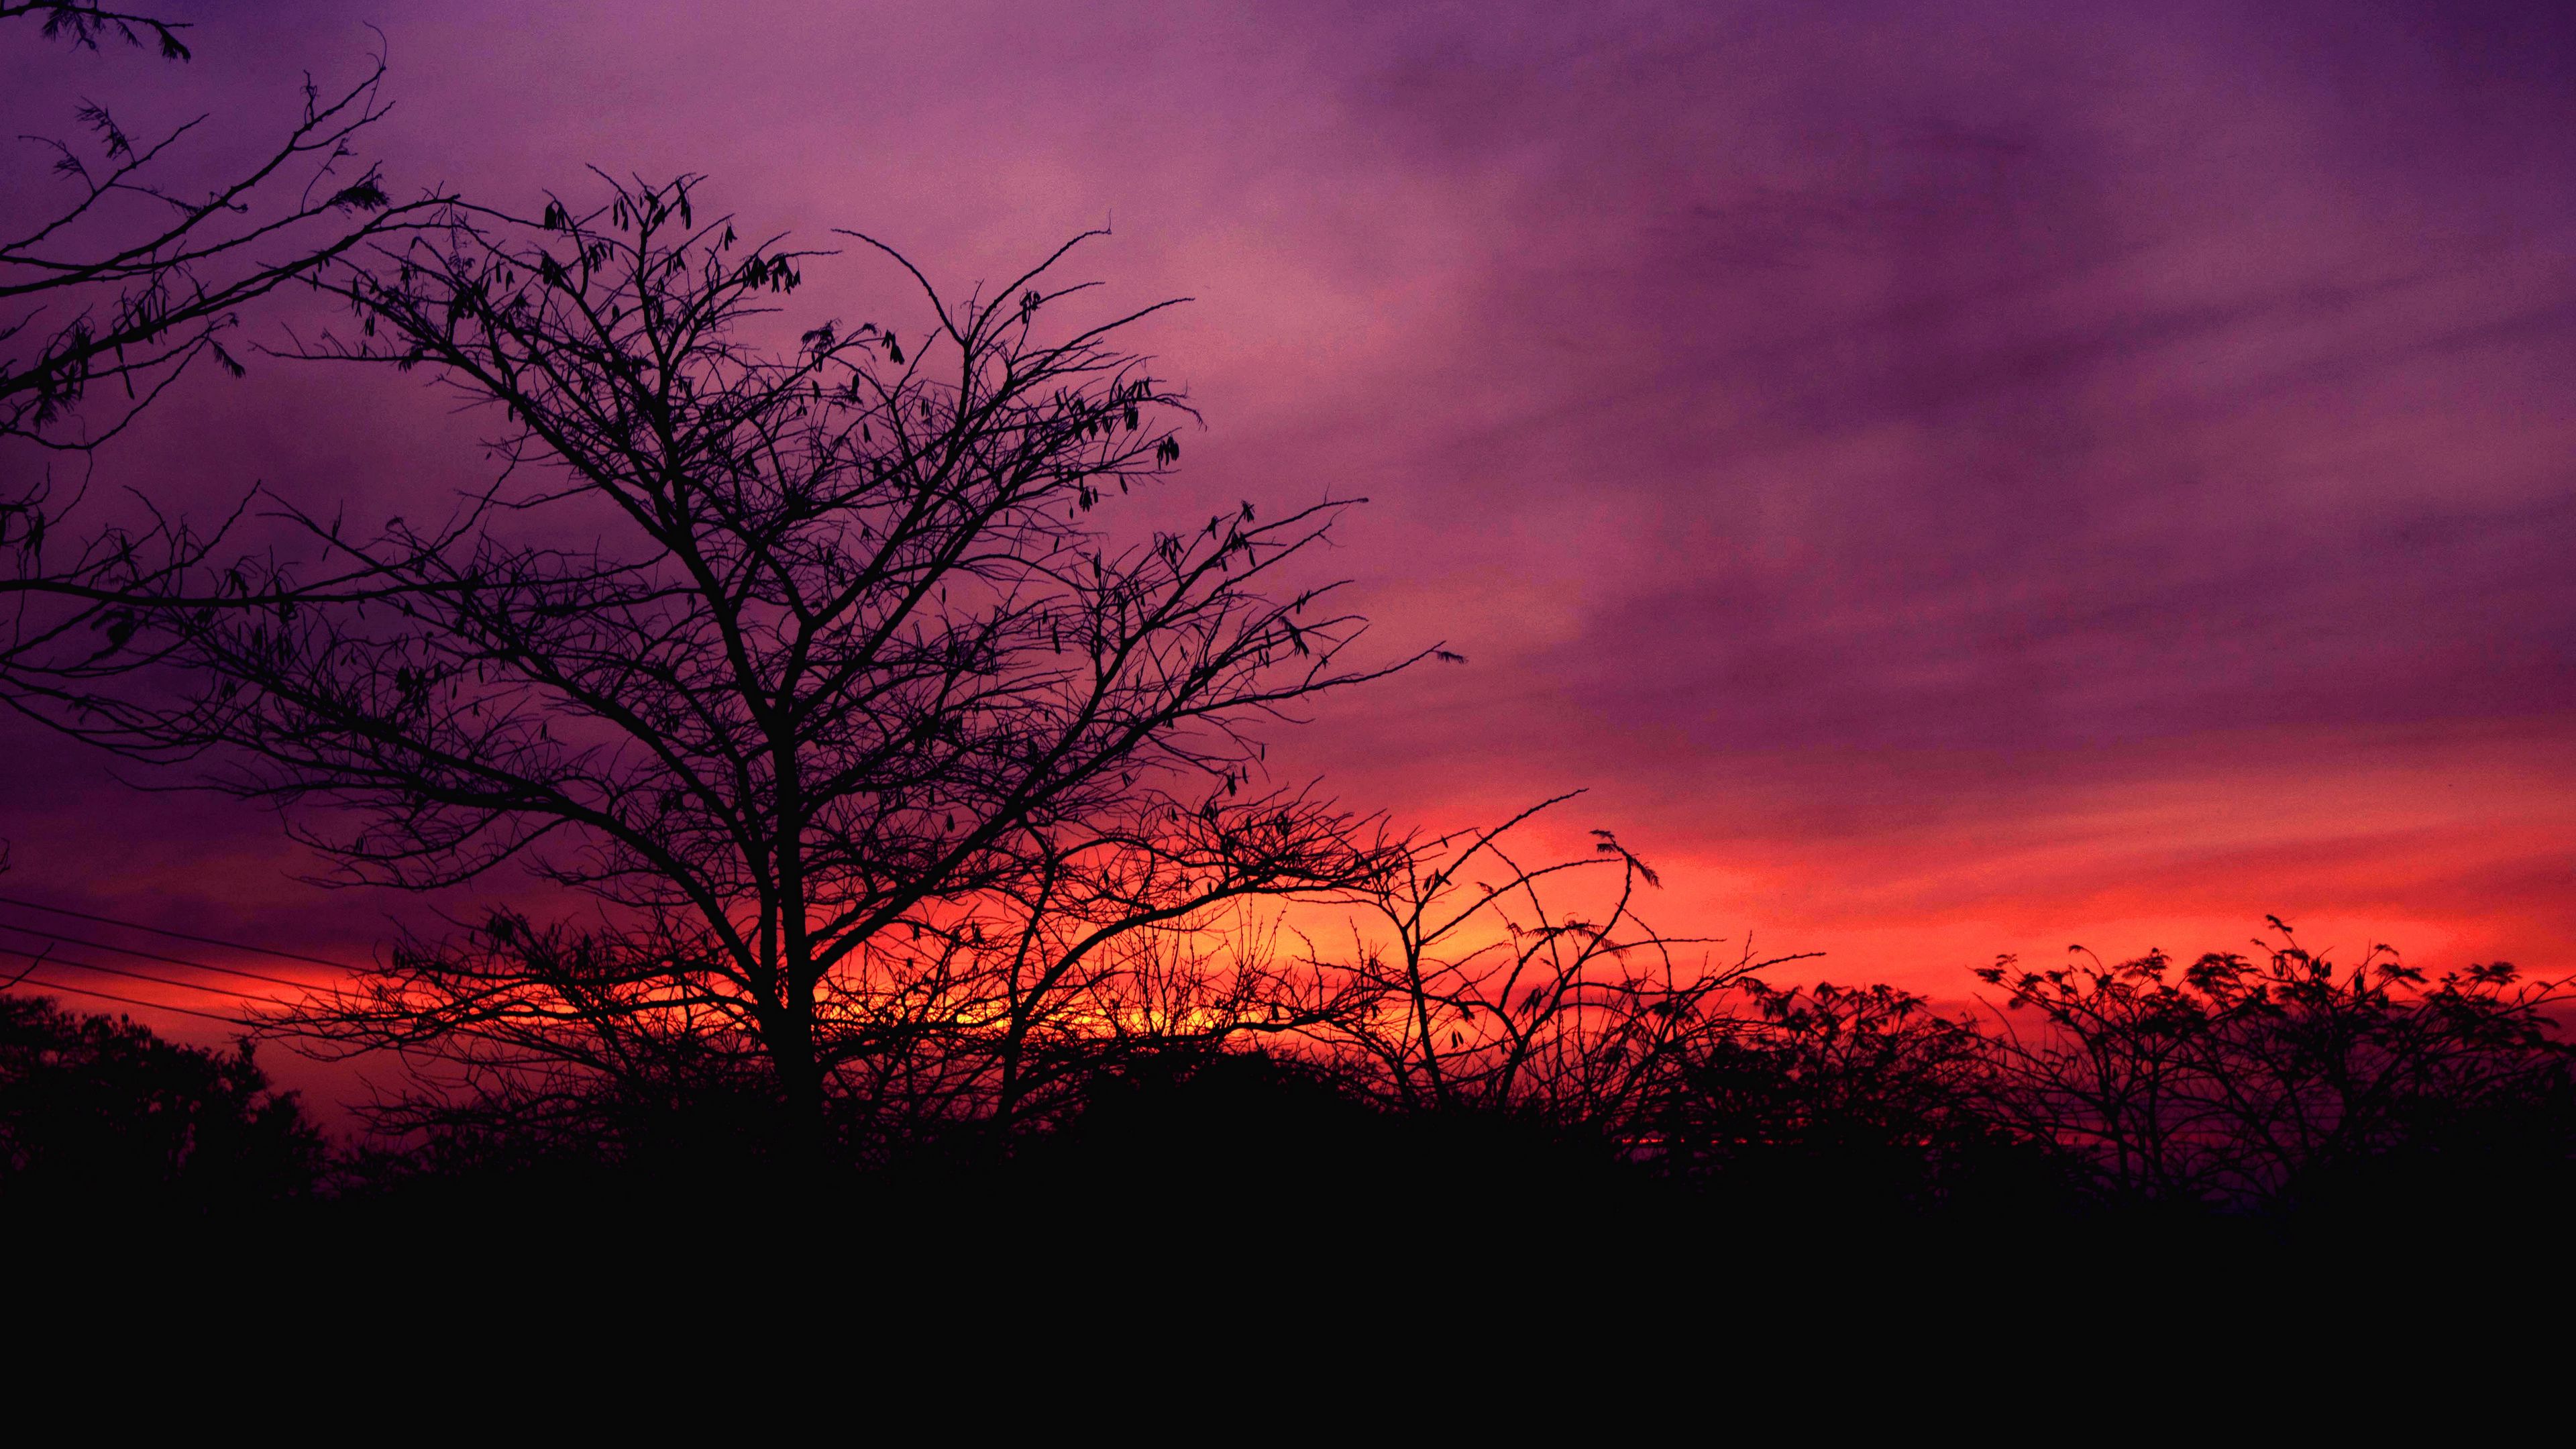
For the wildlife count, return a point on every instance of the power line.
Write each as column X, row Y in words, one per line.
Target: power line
column 177, row 935
column 65, row 961
column 134, row 975
column 148, row 1005
column 153, row 956
column 37, row 961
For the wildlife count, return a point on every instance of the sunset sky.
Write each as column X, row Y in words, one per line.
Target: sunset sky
column 1949, row 478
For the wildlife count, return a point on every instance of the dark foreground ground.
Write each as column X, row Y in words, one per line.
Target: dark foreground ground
column 1246, row 1182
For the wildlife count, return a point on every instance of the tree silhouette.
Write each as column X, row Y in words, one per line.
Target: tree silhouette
column 99, row 1113
column 805, row 663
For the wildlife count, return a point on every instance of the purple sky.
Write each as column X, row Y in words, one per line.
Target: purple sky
column 1952, row 478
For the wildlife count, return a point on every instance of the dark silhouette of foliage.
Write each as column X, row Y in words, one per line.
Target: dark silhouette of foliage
column 1830, row 1101
column 99, row 1113
column 1188, row 1130
column 2244, row 1081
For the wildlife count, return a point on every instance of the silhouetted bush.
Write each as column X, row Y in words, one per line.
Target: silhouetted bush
column 2248, row 1084
column 2187, row 1114
column 1836, row 1102
column 99, row 1113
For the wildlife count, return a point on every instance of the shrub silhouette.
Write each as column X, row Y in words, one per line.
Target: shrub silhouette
column 2227, row 1095
column 2259, row 1083
column 98, row 1112
column 1847, row 1101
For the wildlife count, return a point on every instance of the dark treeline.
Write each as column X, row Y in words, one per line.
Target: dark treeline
column 2273, row 1098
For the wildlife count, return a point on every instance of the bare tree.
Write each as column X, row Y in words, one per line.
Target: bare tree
column 806, row 664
